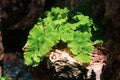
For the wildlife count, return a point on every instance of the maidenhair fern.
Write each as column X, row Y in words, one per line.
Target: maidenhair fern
column 5, row 77
column 60, row 25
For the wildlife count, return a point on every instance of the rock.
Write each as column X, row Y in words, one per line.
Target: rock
column 17, row 17
column 108, row 14
column 64, row 67
column 14, row 67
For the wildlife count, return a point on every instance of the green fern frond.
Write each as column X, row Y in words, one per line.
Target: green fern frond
column 56, row 27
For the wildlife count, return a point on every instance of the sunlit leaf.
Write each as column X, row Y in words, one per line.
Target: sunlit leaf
column 83, row 57
column 98, row 42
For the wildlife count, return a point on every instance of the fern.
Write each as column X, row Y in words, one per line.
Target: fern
column 5, row 77
column 58, row 26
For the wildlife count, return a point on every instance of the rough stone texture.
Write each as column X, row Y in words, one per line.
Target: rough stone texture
column 17, row 17
column 112, row 11
column 97, row 64
column 14, row 67
column 65, row 67
column 1, row 54
column 108, row 13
